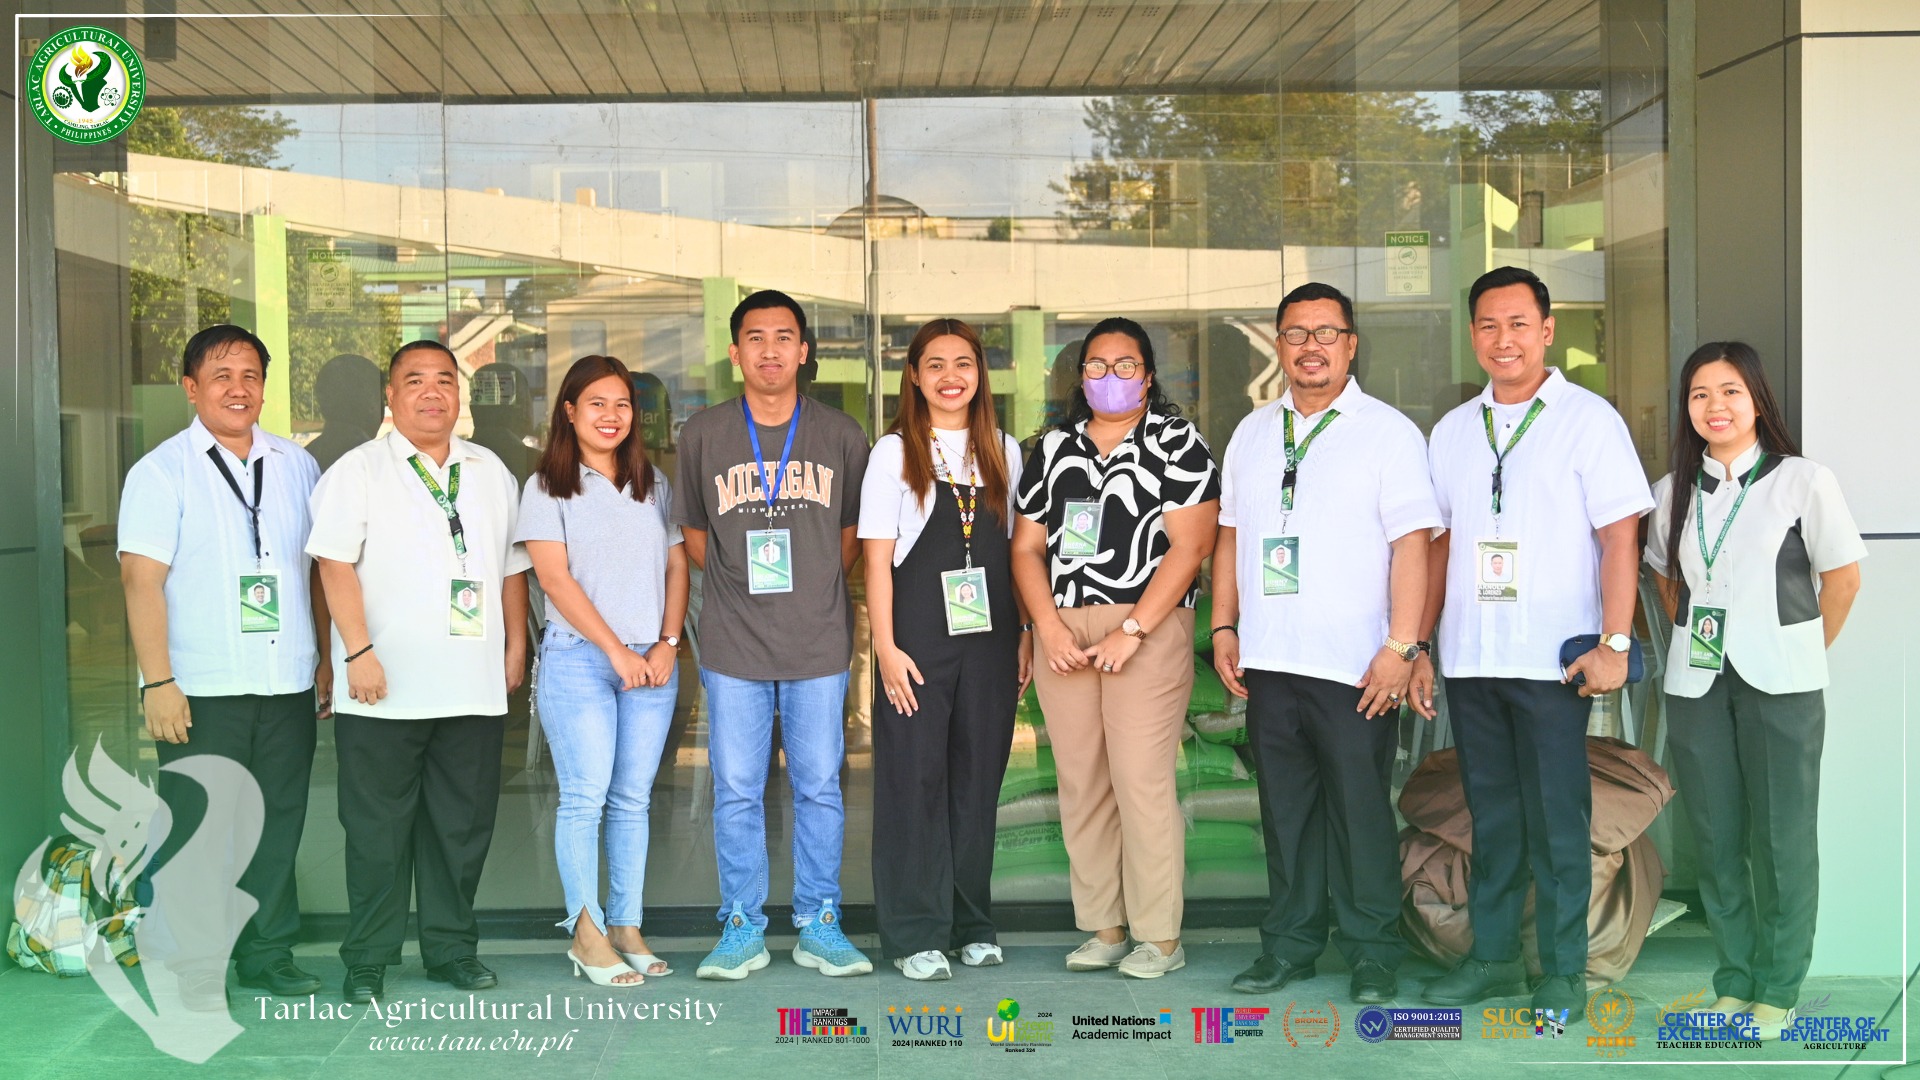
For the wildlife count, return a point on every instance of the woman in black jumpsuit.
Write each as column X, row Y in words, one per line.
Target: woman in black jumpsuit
column 951, row 650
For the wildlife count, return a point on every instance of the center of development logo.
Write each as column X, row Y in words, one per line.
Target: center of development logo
column 1228, row 1025
column 1377, row 1025
column 1611, row 1013
column 1016, row 1034
column 85, row 84
column 925, row 1025
column 820, row 1026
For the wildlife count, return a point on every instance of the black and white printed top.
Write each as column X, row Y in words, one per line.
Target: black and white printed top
column 1161, row 465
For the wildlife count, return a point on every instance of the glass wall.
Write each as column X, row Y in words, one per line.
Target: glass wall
column 530, row 189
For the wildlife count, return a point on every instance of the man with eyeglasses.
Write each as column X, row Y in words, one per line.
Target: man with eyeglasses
column 1319, row 574
column 1541, row 494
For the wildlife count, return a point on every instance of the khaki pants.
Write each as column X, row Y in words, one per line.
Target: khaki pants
column 1115, row 742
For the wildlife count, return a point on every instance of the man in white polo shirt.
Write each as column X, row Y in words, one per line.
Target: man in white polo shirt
column 1319, row 576
column 413, row 534
column 1541, row 494
column 213, row 524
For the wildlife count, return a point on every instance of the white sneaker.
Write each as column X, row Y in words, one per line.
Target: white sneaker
column 981, row 954
column 1096, row 955
column 1146, row 961
column 924, row 966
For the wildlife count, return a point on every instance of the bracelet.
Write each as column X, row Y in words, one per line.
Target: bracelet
column 154, row 685
column 1217, row 629
column 1424, row 646
column 355, row 656
column 1026, row 628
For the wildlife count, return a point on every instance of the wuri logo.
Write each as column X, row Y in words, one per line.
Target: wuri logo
column 1228, row 1025
column 85, row 84
column 1015, row 1034
column 187, row 933
column 925, row 1025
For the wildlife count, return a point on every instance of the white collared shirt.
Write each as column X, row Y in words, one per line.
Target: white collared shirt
column 888, row 509
column 371, row 510
column 1793, row 526
column 1362, row 485
column 176, row 509
column 1574, row 471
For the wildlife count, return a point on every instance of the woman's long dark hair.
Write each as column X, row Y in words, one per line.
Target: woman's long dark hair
column 1683, row 462
column 914, row 425
column 559, row 468
column 1157, row 400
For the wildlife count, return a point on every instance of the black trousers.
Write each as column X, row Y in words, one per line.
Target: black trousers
column 1523, row 758
column 1748, row 765
column 273, row 737
column 417, row 801
column 1326, row 808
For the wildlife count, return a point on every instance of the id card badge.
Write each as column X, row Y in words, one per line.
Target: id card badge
column 1279, row 565
column 1707, row 638
column 966, row 594
column 1497, row 571
column 466, row 608
column 769, row 561
column 260, row 603
column 1080, row 536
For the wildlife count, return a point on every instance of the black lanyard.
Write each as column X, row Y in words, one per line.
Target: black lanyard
column 259, row 478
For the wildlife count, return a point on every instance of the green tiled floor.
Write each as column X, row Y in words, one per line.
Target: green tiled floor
column 53, row 1028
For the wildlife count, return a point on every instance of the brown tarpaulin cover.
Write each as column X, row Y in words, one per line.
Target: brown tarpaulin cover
column 1436, row 853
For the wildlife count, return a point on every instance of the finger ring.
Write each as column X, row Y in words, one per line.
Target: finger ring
column 1106, row 667
column 1393, row 697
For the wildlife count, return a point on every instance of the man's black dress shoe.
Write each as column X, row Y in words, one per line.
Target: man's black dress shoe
column 1270, row 973
column 282, row 978
column 1373, row 984
column 465, row 973
column 1558, row 992
column 1474, row 980
column 364, row 983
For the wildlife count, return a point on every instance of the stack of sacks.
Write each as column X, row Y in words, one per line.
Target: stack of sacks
column 1436, row 860
column 1220, row 802
column 1029, row 857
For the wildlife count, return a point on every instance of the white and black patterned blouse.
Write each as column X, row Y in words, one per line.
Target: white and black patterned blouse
column 1161, row 465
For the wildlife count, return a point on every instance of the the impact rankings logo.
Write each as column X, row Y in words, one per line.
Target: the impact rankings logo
column 85, row 84
column 819, row 1027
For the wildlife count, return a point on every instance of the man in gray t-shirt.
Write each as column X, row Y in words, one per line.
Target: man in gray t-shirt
column 768, row 498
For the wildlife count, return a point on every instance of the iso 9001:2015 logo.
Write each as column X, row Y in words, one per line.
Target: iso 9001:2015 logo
column 85, row 84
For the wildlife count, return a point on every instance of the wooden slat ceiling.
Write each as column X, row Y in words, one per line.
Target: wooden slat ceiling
column 608, row 50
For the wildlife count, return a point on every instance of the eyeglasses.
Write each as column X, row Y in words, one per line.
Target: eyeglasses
column 1126, row 369
column 1325, row 335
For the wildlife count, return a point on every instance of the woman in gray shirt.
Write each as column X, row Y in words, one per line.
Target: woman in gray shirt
column 596, row 520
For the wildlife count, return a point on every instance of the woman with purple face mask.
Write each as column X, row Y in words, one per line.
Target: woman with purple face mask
column 1117, row 508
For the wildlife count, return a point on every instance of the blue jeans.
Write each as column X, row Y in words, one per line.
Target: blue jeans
column 740, row 749
column 606, row 749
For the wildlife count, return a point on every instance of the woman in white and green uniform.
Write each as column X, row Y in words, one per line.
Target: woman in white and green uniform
column 1758, row 562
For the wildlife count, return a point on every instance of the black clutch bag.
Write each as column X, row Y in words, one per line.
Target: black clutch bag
column 1581, row 644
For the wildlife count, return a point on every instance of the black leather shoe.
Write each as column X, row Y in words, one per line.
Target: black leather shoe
column 283, row 978
column 465, row 973
column 364, row 983
column 1559, row 992
column 1373, row 984
column 1270, row 973
column 1477, row 980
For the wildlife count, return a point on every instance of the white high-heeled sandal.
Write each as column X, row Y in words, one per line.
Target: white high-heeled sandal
column 604, row 976
column 640, row 962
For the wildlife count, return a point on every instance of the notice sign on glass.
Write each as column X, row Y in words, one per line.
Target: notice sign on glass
column 1409, row 264
column 329, row 280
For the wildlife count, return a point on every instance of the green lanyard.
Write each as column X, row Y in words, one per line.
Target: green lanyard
column 1296, row 456
column 1499, row 455
column 446, row 499
column 1700, row 513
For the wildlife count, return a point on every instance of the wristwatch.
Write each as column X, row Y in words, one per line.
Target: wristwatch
column 672, row 640
column 1405, row 650
column 1133, row 629
column 1617, row 642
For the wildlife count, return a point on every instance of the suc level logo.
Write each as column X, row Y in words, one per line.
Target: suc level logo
column 85, row 84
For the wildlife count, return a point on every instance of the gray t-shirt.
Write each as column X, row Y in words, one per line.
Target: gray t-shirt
column 806, row 633
column 616, row 549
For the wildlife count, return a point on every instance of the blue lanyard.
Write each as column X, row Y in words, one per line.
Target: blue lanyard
column 760, row 458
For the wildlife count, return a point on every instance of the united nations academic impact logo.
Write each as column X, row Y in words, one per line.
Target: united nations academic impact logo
column 85, row 84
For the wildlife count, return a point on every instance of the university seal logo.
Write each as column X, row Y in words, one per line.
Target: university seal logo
column 85, row 84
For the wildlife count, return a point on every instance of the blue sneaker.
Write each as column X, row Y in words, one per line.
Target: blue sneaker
column 742, row 949
column 825, row 949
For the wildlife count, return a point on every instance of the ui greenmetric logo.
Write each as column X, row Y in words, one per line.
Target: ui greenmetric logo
column 85, row 84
